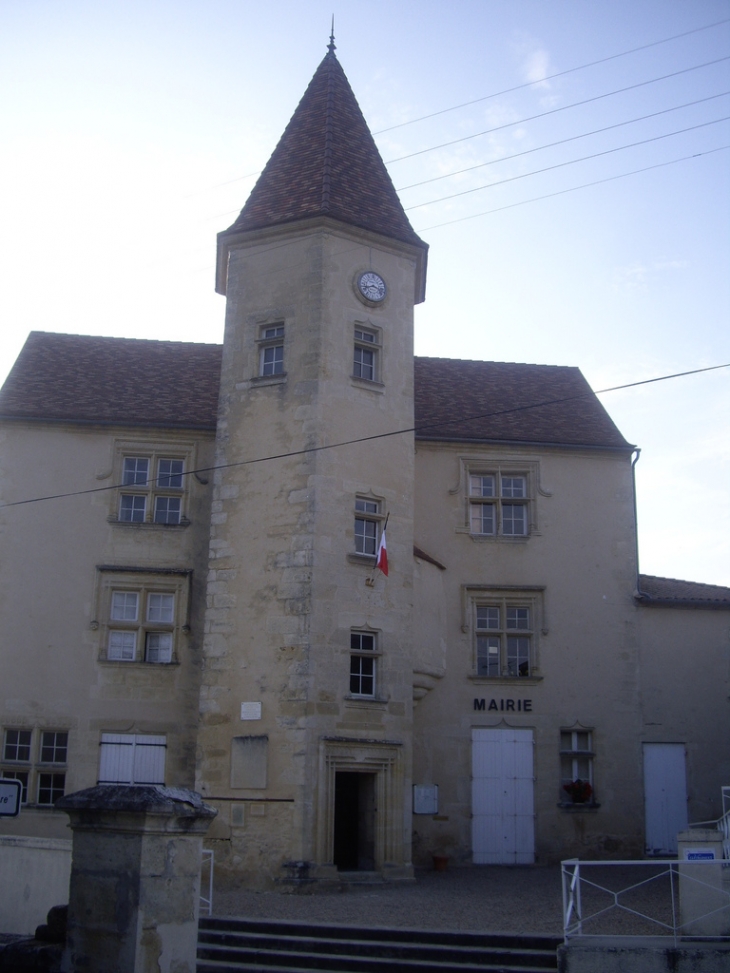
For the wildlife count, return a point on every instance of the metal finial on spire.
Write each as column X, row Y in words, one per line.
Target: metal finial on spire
column 331, row 46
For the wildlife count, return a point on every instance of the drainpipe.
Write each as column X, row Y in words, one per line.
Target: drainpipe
column 639, row 593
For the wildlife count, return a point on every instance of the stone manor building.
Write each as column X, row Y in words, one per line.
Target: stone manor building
column 188, row 582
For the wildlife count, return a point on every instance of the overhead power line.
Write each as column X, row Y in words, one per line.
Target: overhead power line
column 551, row 77
column 570, row 162
column 572, row 189
column 420, row 428
column 571, row 138
column 554, row 111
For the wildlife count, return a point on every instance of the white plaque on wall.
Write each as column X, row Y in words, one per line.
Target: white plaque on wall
column 425, row 799
column 250, row 711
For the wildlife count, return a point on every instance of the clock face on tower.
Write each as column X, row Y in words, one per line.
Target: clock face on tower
column 371, row 286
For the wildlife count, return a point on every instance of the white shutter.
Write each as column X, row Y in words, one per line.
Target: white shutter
column 128, row 758
column 116, row 759
column 149, row 760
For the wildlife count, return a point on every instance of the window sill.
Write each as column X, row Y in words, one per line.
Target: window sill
column 367, row 702
column 366, row 383
column 260, row 380
column 496, row 538
column 505, row 680
column 578, row 808
column 147, row 525
column 368, row 560
column 136, row 663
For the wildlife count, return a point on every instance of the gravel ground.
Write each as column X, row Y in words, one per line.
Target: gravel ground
column 483, row 898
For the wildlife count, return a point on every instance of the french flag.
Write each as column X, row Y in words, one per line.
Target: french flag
column 381, row 558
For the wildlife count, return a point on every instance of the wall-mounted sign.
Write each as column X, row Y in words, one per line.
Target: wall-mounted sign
column 699, row 855
column 250, row 711
column 425, row 799
column 503, row 705
column 10, row 791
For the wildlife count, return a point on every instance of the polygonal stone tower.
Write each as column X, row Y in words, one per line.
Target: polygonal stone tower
column 306, row 703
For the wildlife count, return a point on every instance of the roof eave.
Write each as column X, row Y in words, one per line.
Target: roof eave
column 645, row 600
column 527, row 443
column 230, row 239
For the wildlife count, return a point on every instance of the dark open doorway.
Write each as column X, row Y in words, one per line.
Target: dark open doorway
column 354, row 821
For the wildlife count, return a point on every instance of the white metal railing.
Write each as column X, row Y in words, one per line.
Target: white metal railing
column 206, row 901
column 637, row 899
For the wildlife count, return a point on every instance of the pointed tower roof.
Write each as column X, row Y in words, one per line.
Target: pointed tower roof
column 326, row 164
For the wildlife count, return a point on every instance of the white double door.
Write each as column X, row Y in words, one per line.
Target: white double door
column 503, row 802
column 665, row 796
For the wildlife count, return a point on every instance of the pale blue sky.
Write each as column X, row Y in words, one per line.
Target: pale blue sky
column 129, row 133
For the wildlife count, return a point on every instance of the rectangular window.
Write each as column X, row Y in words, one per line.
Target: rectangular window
column 576, row 766
column 145, row 498
column 54, row 747
column 498, row 504
column 362, row 663
column 17, row 745
column 50, row 788
column 500, row 651
column 122, row 646
column 132, row 758
column 125, row 606
column 43, row 779
column 151, row 630
column 132, row 508
column 367, row 519
column 170, row 474
column 168, row 510
column 271, row 350
column 158, row 647
column 135, row 471
column 365, row 361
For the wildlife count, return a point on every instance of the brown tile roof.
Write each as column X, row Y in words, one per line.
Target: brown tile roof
column 481, row 401
column 75, row 378
column 327, row 164
column 681, row 594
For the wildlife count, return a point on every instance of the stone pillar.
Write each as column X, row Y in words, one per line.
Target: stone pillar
column 135, row 878
column 704, row 883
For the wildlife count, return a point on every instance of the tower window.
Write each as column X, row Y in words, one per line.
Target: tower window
column 367, row 518
column 363, row 660
column 271, row 350
column 366, row 363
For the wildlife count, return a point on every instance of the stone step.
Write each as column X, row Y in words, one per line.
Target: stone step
column 227, row 945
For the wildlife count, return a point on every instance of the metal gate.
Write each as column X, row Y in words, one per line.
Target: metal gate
column 503, row 815
column 665, row 796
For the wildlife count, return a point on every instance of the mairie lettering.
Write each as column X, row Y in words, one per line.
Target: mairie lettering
column 504, row 705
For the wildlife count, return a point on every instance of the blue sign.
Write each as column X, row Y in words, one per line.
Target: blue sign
column 10, row 791
column 699, row 856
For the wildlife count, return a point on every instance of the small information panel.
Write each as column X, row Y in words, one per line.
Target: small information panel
column 10, row 791
column 250, row 711
column 699, row 855
column 425, row 799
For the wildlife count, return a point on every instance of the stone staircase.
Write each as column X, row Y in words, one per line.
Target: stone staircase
column 232, row 945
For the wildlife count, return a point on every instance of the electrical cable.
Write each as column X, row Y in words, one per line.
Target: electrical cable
column 569, row 162
column 572, row 138
column 554, row 111
column 416, row 430
column 551, row 77
column 572, row 189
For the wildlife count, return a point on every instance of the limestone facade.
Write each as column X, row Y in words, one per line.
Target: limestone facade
column 188, row 585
